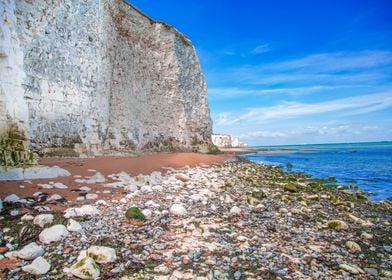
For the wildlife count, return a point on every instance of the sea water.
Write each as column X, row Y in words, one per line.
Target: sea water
column 366, row 165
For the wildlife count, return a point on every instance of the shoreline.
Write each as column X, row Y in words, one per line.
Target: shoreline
column 237, row 151
column 365, row 168
column 236, row 220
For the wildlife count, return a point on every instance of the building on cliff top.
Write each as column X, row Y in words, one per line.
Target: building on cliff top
column 97, row 76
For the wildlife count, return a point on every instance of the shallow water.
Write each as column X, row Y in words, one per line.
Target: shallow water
column 367, row 165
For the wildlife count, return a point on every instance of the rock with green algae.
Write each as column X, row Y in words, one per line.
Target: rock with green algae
column 134, row 213
column 102, row 254
column 259, row 194
column 337, row 225
column 386, row 273
column 290, row 188
column 361, row 195
column 85, row 268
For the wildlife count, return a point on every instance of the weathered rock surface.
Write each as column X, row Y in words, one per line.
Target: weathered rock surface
column 53, row 234
column 182, row 177
column 235, row 210
column 85, row 268
column 12, row 198
column 74, row 226
column 102, row 254
column 178, row 210
column 337, row 225
column 349, row 268
column 43, row 219
column 353, row 247
column 33, row 172
column 98, row 75
column 30, row 251
column 37, row 267
column 85, row 210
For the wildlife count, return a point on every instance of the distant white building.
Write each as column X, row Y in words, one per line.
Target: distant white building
column 226, row 141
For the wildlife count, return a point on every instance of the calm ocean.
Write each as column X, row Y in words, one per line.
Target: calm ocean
column 367, row 165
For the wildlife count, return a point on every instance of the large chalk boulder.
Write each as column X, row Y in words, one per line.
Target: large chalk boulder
column 43, row 219
column 38, row 267
column 30, row 251
column 53, row 234
column 85, row 268
column 102, row 254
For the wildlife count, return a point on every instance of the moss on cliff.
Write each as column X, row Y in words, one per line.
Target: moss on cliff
column 61, row 152
column 14, row 151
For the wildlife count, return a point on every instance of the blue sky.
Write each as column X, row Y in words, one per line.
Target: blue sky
column 291, row 72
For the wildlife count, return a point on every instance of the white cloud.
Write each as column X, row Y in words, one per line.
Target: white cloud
column 336, row 68
column 263, row 48
column 222, row 118
column 319, row 84
column 296, row 91
column 286, row 110
column 336, row 61
column 264, row 134
column 227, row 52
column 249, row 76
column 314, row 132
column 324, row 130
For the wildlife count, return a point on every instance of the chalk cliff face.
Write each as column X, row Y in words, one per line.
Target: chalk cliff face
column 98, row 75
column 226, row 141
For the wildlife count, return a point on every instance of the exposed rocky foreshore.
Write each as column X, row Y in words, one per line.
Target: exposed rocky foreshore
column 236, row 220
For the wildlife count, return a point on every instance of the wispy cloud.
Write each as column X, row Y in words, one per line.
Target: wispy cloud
column 222, row 118
column 264, row 134
column 295, row 91
column 313, row 130
column 227, row 52
column 337, row 68
column 323, row 86
column 255, row 78
column 263, row 48
column 286, row 110
column 336, row 61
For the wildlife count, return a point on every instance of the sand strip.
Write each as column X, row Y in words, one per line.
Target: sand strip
column 144, row 164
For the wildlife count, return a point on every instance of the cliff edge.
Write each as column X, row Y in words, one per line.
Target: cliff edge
column 97, row 76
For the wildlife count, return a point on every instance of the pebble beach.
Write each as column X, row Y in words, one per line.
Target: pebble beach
column 229, row 220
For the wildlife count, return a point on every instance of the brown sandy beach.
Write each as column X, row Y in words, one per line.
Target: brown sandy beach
column 85, row 167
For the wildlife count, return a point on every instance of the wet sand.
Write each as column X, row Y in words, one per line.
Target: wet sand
column 144, row 164
column 237, row 151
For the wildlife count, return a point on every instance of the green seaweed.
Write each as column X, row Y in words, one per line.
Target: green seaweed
column 134, row 213
column 213, row 150
column 80, row 263
column 61, row 152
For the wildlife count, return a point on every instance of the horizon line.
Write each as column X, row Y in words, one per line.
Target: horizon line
column 332, row 143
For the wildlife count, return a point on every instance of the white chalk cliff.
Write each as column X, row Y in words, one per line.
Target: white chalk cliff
column 226, row 141
column 98, row 76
